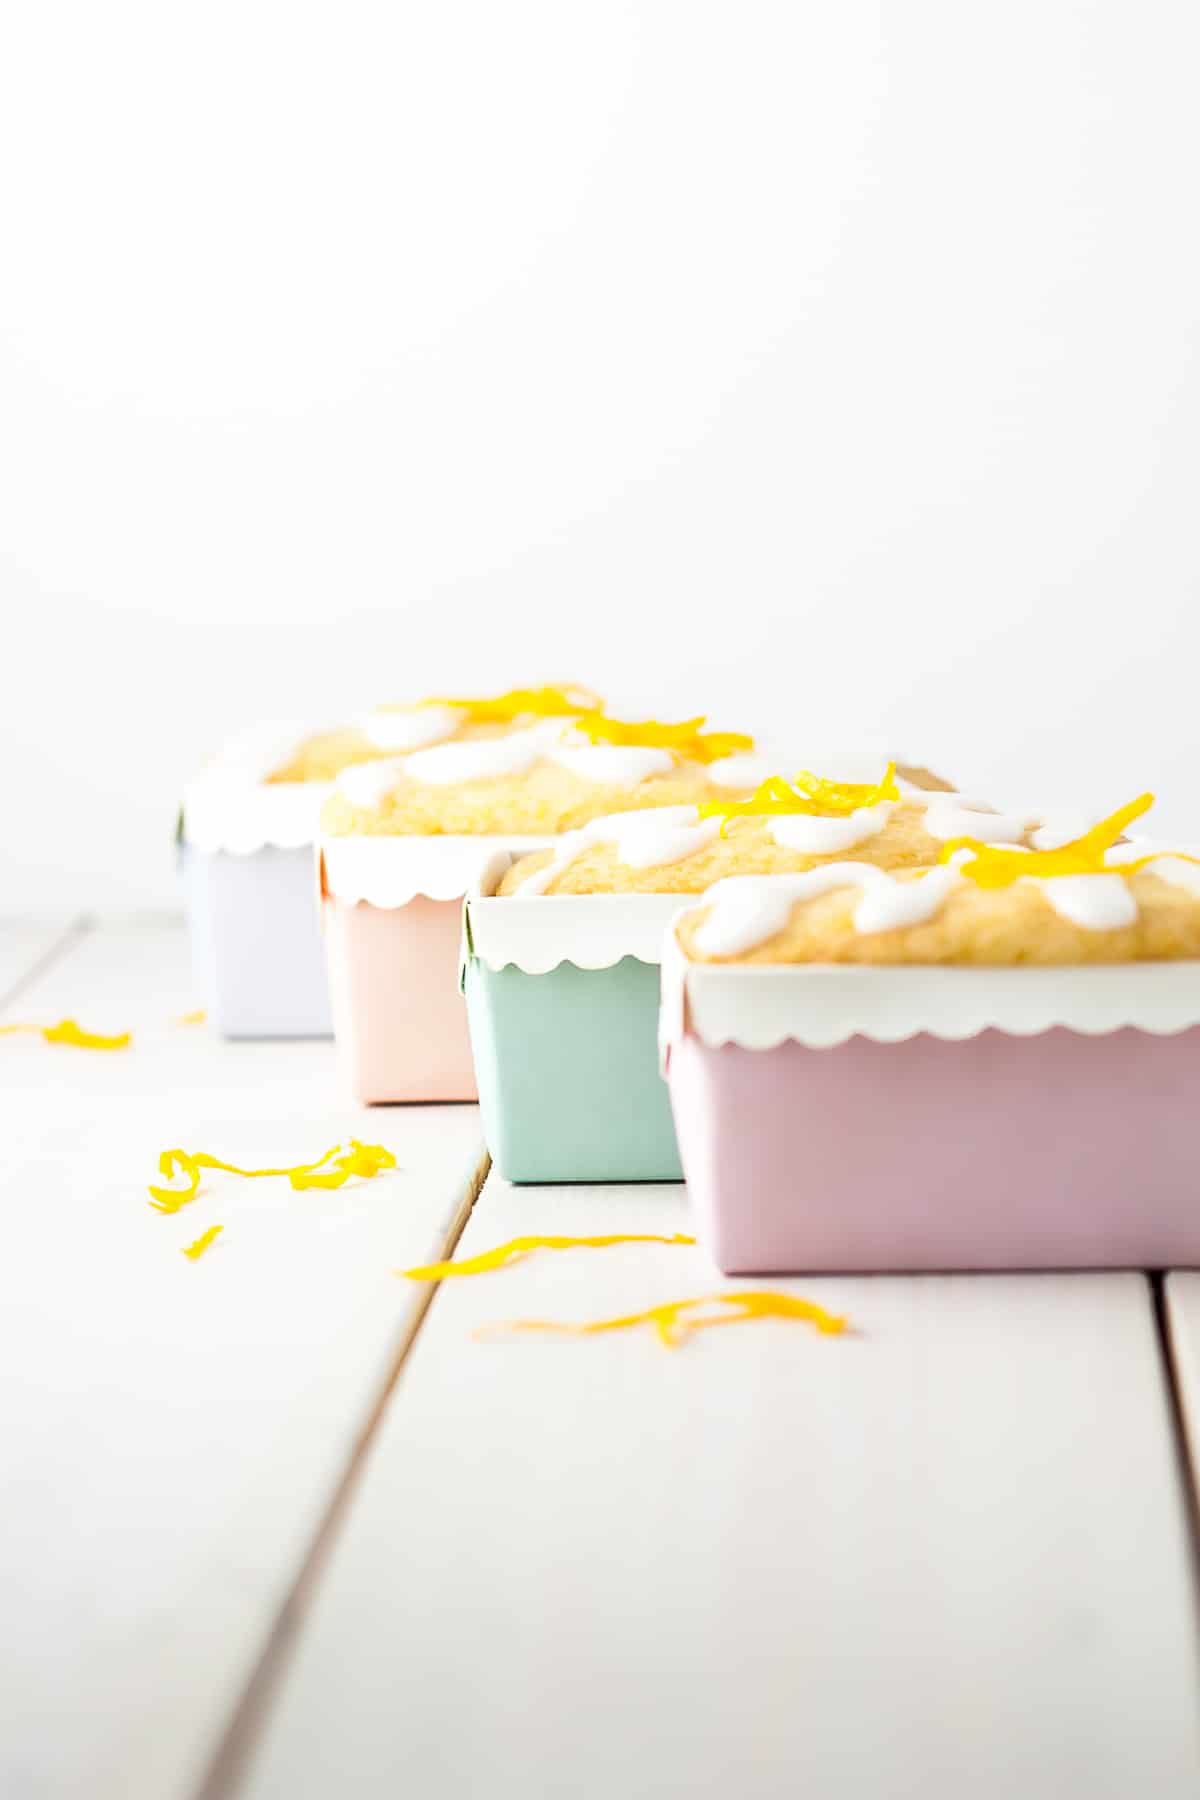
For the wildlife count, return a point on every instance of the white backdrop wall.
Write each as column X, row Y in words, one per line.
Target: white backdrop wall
column 830, row 366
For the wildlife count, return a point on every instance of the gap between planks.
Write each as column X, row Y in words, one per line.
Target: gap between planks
column 1187, row 1466
column 930, row 1560
column 227, row 1771
column 230, row 1767
column 72, row 934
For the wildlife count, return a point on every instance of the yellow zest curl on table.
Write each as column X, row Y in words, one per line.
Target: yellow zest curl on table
column 687, row 739
column 808, row 794
column 672, row 1321
column 997, row 866
column 68, row 1032
column 204, row 1242
column 518, row 1248
column 192, row 1018
column 543, row 702
column 329, row 1171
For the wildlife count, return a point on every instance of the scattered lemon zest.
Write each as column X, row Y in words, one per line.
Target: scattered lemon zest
column 358, row 1159
column 671, row 1326
column 688, row 739
column 544, row 702
column 192, row 1018
column 204, row 1242
column 997, row 865
column 809, row 794
column 518, row 1248
column 68, row 1032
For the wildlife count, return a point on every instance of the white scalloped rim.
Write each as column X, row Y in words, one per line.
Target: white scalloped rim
column 220, row 813
column 392, row 871
column 593, row 931
column 757, row 1006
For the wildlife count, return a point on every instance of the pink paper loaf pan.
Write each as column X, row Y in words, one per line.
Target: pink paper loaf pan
column 391, row 911
column 898, row 1119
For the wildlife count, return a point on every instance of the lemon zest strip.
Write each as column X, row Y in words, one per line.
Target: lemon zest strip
column 997, row 866
column 192, row 1018
column 518, row 1248
column 687, row 739
column 809, row 794
column 204, row 1242
column 358, row 1159
column 672, row 1326
column 68, row 1032
column 543, row 702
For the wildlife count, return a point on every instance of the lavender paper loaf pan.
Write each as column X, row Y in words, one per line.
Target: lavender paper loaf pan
column 249, row 872
column 871, row 1119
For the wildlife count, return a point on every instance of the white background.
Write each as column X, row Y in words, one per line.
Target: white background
column 827, row 366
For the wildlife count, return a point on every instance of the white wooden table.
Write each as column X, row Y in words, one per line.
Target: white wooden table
column 271, row 1526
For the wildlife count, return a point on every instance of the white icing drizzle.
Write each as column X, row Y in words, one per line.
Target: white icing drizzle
column 954, row 815
column 889, row 905
column 749, row 909
column 819, row 835
column 367, row 784
column 481, row 759
column 1177, row 872
column 1062, row 829
column 253, row 756
column 1103, row 902
column 1097, row 902
column 412, row 727
column 745, row 770
column 1168, row 865
column 618, row 765
column 1117, row 855
column 650, row 839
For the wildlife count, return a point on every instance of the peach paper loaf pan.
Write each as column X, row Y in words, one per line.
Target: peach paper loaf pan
column 404, row 839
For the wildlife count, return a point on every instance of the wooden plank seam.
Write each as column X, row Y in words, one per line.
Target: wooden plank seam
column 1187, row 1453
column 71, row 935
column 230, row 1765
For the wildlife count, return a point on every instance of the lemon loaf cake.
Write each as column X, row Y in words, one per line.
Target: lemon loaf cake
column 783, row 828
column 1092, row 899
column 546, row 770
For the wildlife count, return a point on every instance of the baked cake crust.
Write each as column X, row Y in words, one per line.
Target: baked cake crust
column 1014, row 926
column 748, row 848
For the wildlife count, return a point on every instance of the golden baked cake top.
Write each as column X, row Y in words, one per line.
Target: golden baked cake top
column 1091, row 899
column 324, row 755
column 389, row 729
column 542, row 771
column 782, row 828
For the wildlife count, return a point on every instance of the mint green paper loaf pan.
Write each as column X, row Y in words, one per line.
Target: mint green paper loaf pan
column 566, row 1059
